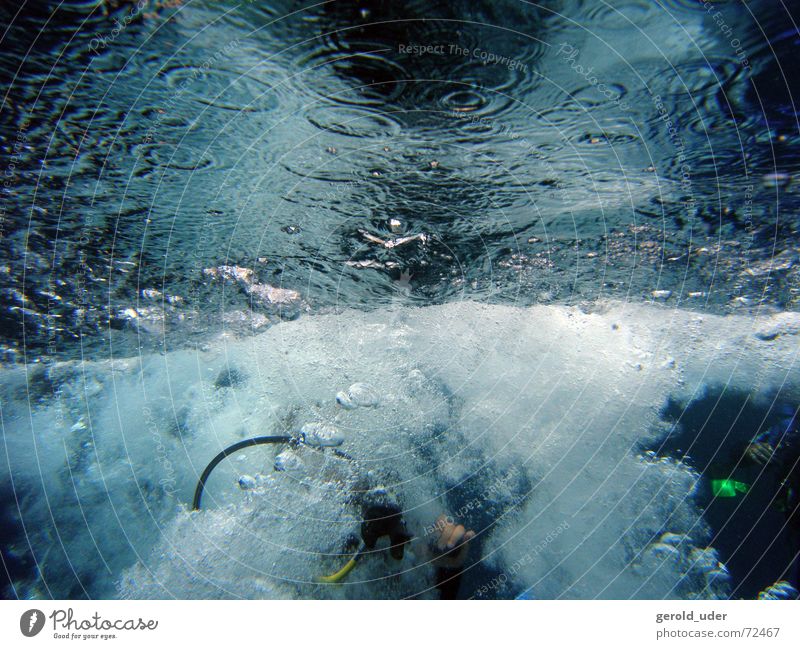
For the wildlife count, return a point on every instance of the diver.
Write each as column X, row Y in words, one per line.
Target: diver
column 450, row 552
column 382, row 517
column 449, row 548
column 381, row 512
column 776, row 452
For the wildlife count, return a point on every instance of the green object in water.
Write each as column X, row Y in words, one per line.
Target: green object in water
column 728, row 488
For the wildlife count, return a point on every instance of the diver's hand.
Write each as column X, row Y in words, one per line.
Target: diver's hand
column 760, row 453
column 453, row 543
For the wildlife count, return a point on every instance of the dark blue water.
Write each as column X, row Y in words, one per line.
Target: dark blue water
column 537, row 152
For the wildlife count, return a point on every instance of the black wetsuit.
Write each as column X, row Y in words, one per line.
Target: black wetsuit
column 382, row 516
column 448, row 582
column 784, row 468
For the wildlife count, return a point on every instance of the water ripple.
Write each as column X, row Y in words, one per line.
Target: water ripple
column 222, row 88
column 352, row 121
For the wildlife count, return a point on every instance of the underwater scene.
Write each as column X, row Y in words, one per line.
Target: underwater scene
column 372, row 299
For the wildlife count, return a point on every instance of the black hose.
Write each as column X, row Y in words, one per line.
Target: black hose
column 254, row 441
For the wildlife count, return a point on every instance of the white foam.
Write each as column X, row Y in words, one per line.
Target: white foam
column 107, row 459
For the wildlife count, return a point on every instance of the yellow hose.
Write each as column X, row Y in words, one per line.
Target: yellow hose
column 336, row 577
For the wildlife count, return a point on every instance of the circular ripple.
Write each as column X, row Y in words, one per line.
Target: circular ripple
column 184, row 158
column 707, row 120
column 605, row 137
column 696, row 78
column 464, row 101
column 566, row 113
column 353, row 121
column 497, row 77
column 355, row 167
column 177, row 120
column 590, row 97
column 623, row 15
column 222, row 88
column 358, row 78
column 457, row 98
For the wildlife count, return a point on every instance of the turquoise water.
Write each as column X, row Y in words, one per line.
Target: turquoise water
column 558, row 240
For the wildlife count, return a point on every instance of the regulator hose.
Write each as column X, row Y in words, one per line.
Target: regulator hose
column 238, row 446
column 337, row 576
